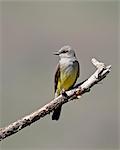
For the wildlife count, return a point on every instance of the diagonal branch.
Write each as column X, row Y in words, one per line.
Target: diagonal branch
column 76, row 92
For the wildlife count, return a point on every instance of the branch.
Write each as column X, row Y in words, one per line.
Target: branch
column 72, row 94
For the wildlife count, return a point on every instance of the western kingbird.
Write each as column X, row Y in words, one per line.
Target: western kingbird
column 66, row 74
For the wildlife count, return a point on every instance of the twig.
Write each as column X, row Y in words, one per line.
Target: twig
column 72, row 94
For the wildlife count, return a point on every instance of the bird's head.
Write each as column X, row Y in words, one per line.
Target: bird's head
column 65, row 52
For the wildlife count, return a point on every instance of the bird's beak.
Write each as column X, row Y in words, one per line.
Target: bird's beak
column 56, row 53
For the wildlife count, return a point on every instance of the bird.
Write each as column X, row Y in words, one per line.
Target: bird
column 66, row 74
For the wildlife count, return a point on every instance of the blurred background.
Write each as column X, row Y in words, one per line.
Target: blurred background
column 30, row 33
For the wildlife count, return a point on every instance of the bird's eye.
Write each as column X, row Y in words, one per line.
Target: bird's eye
column 64, row 51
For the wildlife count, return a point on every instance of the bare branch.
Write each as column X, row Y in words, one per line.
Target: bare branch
column 99, row 74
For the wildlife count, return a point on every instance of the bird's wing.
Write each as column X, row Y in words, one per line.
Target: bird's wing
column 77, row 67
column 57, row 76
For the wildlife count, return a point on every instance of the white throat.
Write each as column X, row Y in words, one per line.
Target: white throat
column 65, row 60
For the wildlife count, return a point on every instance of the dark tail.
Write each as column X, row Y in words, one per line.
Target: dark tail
column 56, row 113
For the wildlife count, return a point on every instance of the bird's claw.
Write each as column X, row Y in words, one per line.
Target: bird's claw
column 64, row 94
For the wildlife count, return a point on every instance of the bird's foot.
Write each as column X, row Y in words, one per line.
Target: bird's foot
column 64, row 94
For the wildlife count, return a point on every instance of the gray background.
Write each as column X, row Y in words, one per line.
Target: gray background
column 31, row 32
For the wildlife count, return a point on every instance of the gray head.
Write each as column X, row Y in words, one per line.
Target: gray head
column 66, row 52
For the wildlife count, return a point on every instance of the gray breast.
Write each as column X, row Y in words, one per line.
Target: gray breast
column 67, row 67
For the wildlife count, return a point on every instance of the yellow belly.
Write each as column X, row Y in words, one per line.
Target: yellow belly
column 66, row 81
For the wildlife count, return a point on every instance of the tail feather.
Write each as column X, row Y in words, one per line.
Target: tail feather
column 56, row 113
